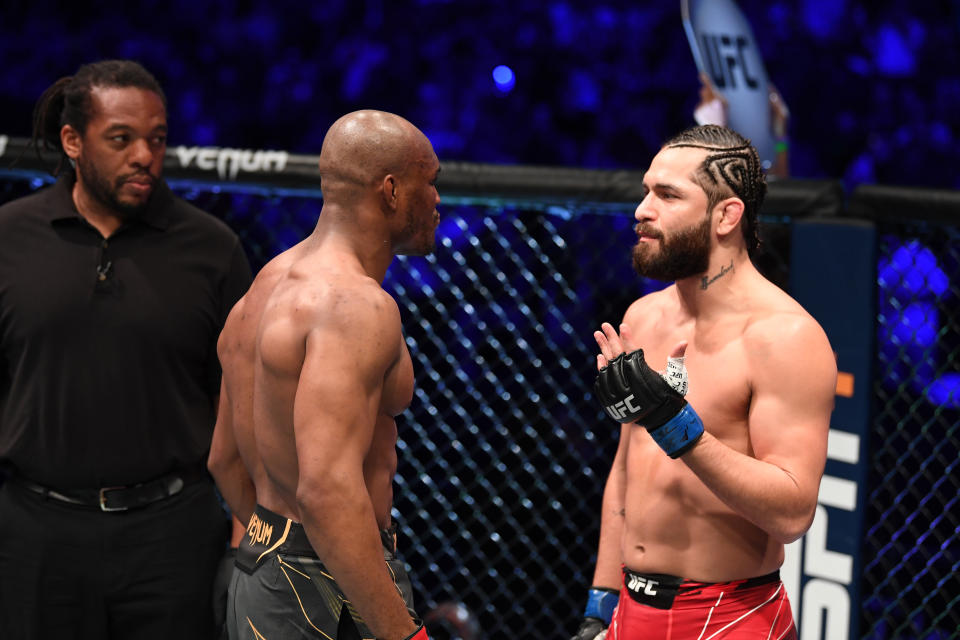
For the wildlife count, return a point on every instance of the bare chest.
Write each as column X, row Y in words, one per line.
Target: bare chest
column 718, row 375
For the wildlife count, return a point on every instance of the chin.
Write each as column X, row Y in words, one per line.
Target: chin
column 426, row 250
column 425, row 244
column 128, row 209
column 134, row 204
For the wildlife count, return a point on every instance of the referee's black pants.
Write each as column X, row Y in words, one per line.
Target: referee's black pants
column 72, row 572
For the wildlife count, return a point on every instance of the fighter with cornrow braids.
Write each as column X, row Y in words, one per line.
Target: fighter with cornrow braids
column 720, row 456
column 732, row 165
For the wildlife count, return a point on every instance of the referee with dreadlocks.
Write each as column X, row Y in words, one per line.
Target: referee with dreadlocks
column 112, row 295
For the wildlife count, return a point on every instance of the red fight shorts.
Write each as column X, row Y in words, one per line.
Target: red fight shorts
column 661, row 607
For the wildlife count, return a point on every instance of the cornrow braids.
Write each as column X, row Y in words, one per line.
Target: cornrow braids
column 732, row 166
column 67, row 101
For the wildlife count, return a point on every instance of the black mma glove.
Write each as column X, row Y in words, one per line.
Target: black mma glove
column 590, row 629
column 630, row 391
column 597, row 614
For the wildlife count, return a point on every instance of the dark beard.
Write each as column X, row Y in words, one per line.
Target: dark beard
column 103, row 192
column 685, row 254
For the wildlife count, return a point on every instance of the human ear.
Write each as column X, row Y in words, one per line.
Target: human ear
column 71, row 141
column 731, row 212
column 390, row 195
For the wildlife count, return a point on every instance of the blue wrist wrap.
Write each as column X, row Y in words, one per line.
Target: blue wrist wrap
column 679, row 433
column 600, row 604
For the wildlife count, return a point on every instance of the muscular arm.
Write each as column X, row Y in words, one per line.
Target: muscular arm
column 227, row 467
column 794, row 379
column 337, row 402
column 609, row 551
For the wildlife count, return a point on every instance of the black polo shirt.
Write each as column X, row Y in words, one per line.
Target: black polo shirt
column 108, row 373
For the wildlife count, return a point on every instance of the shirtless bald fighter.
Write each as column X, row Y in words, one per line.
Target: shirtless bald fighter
column 315, row 369
column 706, row 489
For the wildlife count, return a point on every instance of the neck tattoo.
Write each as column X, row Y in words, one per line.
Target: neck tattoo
column 706, row 282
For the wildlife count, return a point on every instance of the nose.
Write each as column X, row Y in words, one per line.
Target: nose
column 141, row 153
column 644, row 212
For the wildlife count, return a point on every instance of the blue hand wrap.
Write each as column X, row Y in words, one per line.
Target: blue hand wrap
column 679, row 433
column 600, row 604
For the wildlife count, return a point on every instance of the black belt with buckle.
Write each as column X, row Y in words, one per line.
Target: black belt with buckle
column 120, row 498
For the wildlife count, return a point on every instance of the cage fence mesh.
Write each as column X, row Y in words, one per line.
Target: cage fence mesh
column 911, row 553
column 504, row 453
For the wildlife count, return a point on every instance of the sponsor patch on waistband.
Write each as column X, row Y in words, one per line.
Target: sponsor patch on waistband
column 655, row 590
column 266, row 532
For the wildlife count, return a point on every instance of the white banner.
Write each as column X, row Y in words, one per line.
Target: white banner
column 725, row 50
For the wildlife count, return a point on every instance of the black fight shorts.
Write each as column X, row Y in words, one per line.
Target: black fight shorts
column 282, row 591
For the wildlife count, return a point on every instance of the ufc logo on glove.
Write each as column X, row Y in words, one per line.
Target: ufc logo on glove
column 621, row 409
column 669, row 419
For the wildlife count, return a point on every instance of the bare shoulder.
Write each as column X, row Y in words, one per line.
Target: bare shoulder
column 245, row 315
column 327, row 316
column 781, row 336
column 648, row 311
column 335, row 306
column 781, row 319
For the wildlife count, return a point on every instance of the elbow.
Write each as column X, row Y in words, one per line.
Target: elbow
column 788, row 535
column 216, row 465
column 317, row 494
column 220, row 471
column 792, row 527
column 307, row 502
column 221, row 456
column 327, row 500
column 221, row 461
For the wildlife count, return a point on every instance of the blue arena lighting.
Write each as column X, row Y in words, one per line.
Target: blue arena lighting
column 823, row 17
column 920, row 323
column 504, row 78
column 945, row 390
column 449, row 233
column 584, row 94
column 912, row 281
column 458, row 225
column 287, row 237
column 204, row 134
column 940, row 133
column 912, row 272
column 893, row 55
column 414, row 275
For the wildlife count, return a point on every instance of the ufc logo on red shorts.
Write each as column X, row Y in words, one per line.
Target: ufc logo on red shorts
column 639, row 584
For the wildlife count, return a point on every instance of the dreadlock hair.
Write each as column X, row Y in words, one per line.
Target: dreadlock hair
column 67, row 101
column 732, row 166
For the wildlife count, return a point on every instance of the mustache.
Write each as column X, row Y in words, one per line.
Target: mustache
column 139, row 175
column 650, row 232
